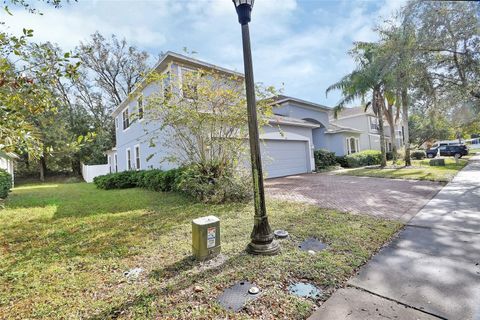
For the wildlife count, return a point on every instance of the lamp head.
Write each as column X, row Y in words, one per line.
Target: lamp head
column 244, row 10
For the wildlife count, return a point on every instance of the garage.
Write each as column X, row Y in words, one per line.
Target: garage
column 284, row 157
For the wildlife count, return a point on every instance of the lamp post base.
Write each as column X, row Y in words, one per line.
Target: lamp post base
column 266, row 249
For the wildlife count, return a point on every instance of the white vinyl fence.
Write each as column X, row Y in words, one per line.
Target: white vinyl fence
column 90, row 172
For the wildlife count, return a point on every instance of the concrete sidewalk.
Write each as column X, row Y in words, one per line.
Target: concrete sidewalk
column 430, row 271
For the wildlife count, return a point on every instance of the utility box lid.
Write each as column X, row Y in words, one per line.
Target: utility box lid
column 205, row 220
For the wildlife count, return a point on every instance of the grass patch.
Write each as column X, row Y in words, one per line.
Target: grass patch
column 64, row 249
column 420, row 170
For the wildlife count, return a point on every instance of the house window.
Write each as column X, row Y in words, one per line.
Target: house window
column 126, row 119
column 137, row 157
column 110, row 164
column 189, row 87
column 374, row 124
column 140, row 108
column 129, row 159
column 352, row 145
column 167, row 85
column 116, row 162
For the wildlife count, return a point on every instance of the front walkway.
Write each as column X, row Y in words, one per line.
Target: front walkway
column 430, row 271
column 385, row 198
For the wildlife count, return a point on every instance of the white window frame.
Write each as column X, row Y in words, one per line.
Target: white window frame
column 128, row 157
column 138, row 164
column 123, row 119
column 180, row 76
column 348, row 144
column 140, row 103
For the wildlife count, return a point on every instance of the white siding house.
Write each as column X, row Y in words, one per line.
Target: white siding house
column 7, row 162
column 287, row 143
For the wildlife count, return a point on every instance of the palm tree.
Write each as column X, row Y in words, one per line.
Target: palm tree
column 367, row 79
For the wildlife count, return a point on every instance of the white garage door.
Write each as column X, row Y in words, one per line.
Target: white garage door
column 283, row 158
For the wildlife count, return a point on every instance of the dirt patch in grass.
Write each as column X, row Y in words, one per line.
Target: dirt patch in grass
column 64, row 249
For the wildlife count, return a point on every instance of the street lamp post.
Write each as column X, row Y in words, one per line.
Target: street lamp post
column 262, row 239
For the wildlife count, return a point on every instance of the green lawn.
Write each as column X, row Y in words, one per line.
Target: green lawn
column 420, row 170
column 64, row 249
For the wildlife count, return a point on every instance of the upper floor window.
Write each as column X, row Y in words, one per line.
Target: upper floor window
column 126, row 119
column 374, row 124
column 167, row 84
column 140, row 108
column 189, row 84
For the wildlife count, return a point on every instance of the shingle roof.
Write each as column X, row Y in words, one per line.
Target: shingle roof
column 348, row 112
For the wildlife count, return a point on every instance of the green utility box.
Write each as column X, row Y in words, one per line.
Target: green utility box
column 206, row 237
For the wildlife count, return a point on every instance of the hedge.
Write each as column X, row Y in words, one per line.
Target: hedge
column 156, row 180
column 364, row 158
column 324, row 159
column 5, row 183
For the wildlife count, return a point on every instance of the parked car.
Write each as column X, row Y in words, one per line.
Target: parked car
column 448, row 151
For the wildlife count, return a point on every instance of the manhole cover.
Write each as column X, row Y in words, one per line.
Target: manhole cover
column 281, row 234
column 312, row 244
column 305, row 290
column 235, row 297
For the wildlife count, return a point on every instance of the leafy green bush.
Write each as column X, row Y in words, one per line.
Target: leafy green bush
column 5, row 183
column 342, row 161
column 206, row 184
column 156, row 180
column 364, row 158
column 418, row 154
column 118, row 180
column 324, row 159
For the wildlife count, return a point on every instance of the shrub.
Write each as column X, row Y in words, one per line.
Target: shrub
column 324, row 159
column 364, row 158
column 5, row 183
column 418, row 154
column 206, row 184
column 118, row 180
column 342, row 161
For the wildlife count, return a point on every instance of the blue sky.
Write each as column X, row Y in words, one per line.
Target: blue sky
column 298, row 45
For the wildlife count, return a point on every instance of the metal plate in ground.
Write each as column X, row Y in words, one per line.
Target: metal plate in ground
column 280, row 234
column 312, row 244
column 305, row 290
column 237, row 296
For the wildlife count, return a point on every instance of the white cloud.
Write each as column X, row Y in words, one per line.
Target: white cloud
column 301, row 44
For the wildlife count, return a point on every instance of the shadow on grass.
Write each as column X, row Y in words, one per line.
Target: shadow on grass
column 173, row 272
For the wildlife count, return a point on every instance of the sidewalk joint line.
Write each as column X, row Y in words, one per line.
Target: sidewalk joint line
column 396, row 301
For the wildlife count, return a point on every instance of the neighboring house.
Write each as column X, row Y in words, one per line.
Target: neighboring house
column 297, row 128
column 327, row 135
column 367, row 124
column 7, row 162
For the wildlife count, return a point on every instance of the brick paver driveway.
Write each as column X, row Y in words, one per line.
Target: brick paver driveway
column 387, row 198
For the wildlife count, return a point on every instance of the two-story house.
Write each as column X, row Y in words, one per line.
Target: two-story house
column 366, row 123
column 287, row 142
column 297, row 128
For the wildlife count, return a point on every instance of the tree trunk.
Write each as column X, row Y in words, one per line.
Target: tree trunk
column 393, row 139
column 381, row 130
column 378, row 107
column 43, row 168
column 406, row 138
